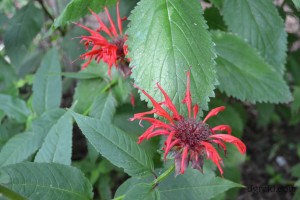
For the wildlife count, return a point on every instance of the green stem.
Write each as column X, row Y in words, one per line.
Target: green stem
column 119, row 197
column 163, row 176
column 110, row 85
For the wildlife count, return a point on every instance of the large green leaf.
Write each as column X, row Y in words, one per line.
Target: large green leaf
column 14, row 107
column 23, row 27
column 78, row 8
column 259, row 22
column 46, row 181
column 115, row 145
column 166, row 39
column 20, row 147
column 57, row 146
column 47, row 84
column 104, row 107
column 191, row 185
column 244, row 74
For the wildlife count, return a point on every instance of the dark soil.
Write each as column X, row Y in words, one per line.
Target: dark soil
column 272, row 148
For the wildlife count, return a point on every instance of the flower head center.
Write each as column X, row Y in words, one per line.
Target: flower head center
column 191, row 133
column 119, row 42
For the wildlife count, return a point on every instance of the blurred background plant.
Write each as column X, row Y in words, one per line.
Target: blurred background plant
column 40, row 74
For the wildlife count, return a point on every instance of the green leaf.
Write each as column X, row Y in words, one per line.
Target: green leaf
column 47, row 84
column 297, row 4
column 79, row 8
column 244, row 74
column 295, row 107
column 46, row 181
column 142, row 191
column 115, row 145
column 165, row 40
column 265, row 112
column 7, row 78
column 57, row 146
column 217, row 3
column 191, row 185
column 14, row 107
column 20, row 147
column 104, row 107
column 23, row 27
column 46, row 121
column 260, row 24
column 85, row 93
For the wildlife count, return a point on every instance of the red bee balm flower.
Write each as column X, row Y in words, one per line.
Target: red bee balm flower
column 189, row 138
column 111, row 51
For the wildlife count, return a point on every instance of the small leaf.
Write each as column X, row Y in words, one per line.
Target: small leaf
column 104, row 107
column 14, row 107
column 7, row 78
column 142, row 191
column 165, row 40
column 47, row 84
column 115, row 145
column 57, row 146
column 260, row 24
column 297, row 4
column 78, row 8
column 244, row 74
column 20, row 147
column 85, row 93
column 23, row 27
column 295, row 107
column 46, row 181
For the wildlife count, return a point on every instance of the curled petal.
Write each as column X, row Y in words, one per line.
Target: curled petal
column 146, row 133
column 168, row 148
column 187, row 99
column 157, row 107
column 184, row 159
column 102, row 25
column 168, row 144
column 213, row 155
column 214, row 112
column 169, row 103
column 221, row 144
column 157, row 132
column 222, row 128
column 231, row 139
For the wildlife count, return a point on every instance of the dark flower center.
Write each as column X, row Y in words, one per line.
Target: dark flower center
column 190, row 132
column 119, row 42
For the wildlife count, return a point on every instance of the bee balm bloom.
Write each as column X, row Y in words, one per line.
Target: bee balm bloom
column 189, row 138
column 112, row 51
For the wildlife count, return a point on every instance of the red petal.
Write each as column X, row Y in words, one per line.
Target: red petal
column 119, row 18
column 146, row 133
column 231, row 139
column 213, row 155
column 223, row 128
column 132, row 101
column 102, row 25
column 168, row 148
column 195, row 110
column 214, row 112
column 157, row 132
column 169, row 103
column 112, row 24
column 158, row 109
column 221, row 144
column 168, row 144
column 184, row 159
column 187, row 99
